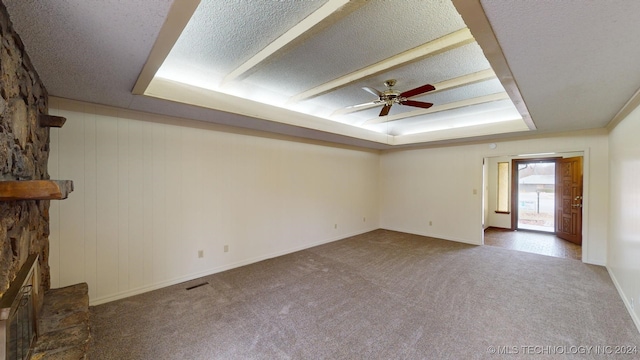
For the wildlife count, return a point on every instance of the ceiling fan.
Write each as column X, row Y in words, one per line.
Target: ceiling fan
column 391, row 96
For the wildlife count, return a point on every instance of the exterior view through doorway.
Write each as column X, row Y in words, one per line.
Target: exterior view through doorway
column 534, row 194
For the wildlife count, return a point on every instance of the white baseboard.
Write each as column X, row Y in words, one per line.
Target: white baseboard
column 634, row 317
column 211, row 271
column 590, row 262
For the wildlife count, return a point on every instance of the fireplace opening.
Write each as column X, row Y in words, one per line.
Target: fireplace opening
column 18, row 331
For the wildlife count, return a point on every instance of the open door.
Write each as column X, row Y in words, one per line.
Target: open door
column 569, row 199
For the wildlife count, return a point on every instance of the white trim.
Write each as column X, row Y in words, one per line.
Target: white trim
column 476, row 19
column 627, row 109
column 179, row 15
column 586, row 240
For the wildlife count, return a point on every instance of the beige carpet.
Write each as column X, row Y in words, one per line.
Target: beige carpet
column 381, row 295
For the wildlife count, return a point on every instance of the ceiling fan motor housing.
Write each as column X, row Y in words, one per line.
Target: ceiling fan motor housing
column 390, row 83
column 390, row 96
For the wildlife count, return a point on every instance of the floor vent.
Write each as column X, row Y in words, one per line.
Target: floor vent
column 197, row 286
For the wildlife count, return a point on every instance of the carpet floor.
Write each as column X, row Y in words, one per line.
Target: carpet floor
column 380, row 295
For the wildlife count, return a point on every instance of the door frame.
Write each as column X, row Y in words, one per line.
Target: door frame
column 585, row 152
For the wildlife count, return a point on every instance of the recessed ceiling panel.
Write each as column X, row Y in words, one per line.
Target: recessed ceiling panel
column 319, row 73
column 374, row 32
column 457, row 62
column 488, row 113
column 462, row 93
column 439, row 99
column 221, row 35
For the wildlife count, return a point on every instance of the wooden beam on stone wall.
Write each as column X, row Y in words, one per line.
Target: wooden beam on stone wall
column 51, row 121
column 35, row 189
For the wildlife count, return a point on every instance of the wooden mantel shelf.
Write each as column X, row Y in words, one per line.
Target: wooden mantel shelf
column 51, row 121
column 35, row 189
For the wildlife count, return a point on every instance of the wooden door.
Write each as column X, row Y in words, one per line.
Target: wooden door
column 569, row 199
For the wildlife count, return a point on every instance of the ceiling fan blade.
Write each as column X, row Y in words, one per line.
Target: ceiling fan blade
column 354, row 108
column 372, row 91
column 420, row 104
column 385, row 110
column 417, row 91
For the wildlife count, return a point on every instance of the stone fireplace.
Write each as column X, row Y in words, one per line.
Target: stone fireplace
column 24, row 210
column 24, row 152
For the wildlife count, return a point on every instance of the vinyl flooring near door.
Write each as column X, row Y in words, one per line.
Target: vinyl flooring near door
column 533, row 242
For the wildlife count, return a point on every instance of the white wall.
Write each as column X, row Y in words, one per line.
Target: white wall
column 437, row 184
column 150, row 191
column 624, row 231
column 419, row 186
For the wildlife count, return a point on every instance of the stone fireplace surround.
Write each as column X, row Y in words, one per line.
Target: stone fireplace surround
column 24, row 152
column 63, row 330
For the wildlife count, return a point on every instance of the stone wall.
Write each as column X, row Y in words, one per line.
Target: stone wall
column 24, row 152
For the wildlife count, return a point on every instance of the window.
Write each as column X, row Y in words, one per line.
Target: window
column 503, row 188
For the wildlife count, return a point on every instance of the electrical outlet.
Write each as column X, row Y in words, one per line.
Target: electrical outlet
column 226, row 248
column 200, row 253
column 335, row 226
column 430, row 223
column 364, row 219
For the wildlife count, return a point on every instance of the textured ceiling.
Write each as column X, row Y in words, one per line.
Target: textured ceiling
column 223, row 34
column 573, row 65
column 576, row 62
column 215, row 44
column 377, row 31
column 89, row 50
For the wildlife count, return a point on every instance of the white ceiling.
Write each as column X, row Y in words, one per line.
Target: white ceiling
column 560, row 65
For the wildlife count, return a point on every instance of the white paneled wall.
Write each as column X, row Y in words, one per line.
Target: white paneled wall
column 151, row 191
column 438, row 184
column 624, row 231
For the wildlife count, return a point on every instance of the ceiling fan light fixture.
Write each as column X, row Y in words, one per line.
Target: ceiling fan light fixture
column 391, row 96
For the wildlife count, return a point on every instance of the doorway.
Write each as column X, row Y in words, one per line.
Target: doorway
column 533, row 194
column 554, row 199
